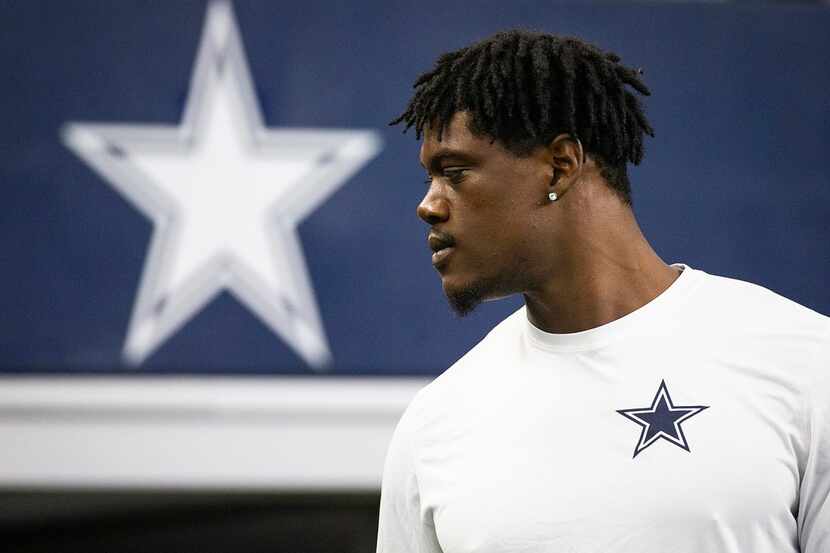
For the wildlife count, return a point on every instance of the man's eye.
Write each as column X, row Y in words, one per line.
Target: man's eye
column 455, row 175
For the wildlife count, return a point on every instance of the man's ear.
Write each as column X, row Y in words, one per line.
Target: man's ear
column 566, row 157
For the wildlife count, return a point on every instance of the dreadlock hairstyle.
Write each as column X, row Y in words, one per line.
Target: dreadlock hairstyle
column 524, row 88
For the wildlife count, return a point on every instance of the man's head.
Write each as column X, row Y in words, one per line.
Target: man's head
column 505, row 122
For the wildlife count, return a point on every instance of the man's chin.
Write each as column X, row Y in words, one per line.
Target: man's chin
column 465, row 298
column 464, row 302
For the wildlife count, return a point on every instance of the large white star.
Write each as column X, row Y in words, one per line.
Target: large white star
column 225, row 195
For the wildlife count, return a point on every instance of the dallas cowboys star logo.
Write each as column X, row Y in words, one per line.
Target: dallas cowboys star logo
column 661, row 420
column 225, row 195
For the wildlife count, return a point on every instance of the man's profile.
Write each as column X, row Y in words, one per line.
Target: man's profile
column 630, row 405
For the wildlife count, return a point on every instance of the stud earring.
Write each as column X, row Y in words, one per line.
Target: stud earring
column 552, row 196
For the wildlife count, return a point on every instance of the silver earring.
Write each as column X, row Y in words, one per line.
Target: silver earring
column 552, row 196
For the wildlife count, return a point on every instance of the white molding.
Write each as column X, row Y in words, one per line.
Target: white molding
column 275, row 433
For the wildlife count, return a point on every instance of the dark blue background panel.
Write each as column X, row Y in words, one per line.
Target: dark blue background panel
column 735, row 182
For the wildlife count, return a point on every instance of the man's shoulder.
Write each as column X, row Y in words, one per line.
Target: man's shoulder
column 471, row 369
column 503, row 338
column 739, row 301
column 766, row 327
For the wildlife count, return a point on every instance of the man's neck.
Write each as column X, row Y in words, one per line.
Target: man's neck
column 606, row 277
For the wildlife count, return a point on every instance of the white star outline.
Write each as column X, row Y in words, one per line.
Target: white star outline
column 222, row 164
column 662, row 393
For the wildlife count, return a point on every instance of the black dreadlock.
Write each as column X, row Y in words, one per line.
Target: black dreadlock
column 524, row 88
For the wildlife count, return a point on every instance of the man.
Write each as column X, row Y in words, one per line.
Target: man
column 629, row 405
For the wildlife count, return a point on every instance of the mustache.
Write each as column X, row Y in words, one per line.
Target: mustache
column 439, row 240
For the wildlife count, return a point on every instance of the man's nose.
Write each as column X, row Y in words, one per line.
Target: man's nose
column 433, row 208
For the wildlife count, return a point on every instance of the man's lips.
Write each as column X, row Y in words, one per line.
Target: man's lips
column 441, row 245
column 440, row 256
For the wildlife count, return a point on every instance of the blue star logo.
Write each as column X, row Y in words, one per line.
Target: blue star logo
column 661, row 420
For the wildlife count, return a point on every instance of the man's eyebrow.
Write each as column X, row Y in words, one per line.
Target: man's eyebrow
column 444, row 154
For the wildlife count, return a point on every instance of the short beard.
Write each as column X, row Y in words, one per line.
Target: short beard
column 465, row 300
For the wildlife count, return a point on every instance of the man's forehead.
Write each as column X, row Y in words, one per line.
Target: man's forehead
column 456, row 139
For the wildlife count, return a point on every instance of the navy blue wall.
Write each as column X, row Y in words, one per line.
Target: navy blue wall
column 734, row 183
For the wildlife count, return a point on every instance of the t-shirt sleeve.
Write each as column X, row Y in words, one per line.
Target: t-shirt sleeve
column 401, row 526
column 814, row 498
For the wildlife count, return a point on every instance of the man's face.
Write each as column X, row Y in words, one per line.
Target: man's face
column 488, row 214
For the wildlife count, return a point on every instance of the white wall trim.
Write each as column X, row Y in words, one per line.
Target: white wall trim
column 276, row 433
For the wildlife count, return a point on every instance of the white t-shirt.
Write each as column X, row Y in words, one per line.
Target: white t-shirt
column 698, row 423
